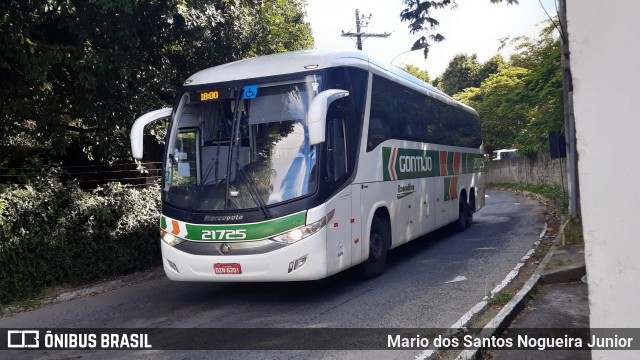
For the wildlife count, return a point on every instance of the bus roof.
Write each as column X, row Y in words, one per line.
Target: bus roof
column 307, row 60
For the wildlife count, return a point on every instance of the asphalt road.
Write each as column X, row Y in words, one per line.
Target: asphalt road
column 414, row 292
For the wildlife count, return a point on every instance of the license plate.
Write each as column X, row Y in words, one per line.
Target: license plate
column 227, row 269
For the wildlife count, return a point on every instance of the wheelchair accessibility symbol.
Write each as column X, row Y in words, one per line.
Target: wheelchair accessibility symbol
column 250, row 92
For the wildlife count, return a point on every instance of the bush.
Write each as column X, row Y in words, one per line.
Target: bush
column 558, row 197
column 54, row 233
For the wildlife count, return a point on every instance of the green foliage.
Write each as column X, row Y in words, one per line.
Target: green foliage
column 465, row 71
column 80, row 72
column 498, row 102
column 278, row 26
column 542, row 91
column 558, row 197
column 492, row 66
column 461, row 73
column 417, row 72
column 522, row 103
column 500, row 299
column 54, row 233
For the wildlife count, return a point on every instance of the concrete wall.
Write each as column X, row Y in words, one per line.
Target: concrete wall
column 539, row 170
column 605, row 61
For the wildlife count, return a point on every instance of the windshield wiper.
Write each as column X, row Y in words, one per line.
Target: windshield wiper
column 253, row 191
column 212, row 165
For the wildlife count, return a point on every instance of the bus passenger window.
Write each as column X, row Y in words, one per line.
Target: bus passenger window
column 377, row 133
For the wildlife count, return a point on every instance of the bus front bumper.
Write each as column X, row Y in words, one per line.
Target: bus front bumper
column 303, row 260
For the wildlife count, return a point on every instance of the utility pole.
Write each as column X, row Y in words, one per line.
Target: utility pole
column 569, row 119
column 362, row 23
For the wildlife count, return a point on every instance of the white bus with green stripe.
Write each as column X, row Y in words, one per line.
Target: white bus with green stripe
column 297, row 166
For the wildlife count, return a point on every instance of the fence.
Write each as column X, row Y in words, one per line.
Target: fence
column 541, row 169
column 92, row 176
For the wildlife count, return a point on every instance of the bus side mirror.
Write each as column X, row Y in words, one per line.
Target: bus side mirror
column 137, row 130
column 317, row 115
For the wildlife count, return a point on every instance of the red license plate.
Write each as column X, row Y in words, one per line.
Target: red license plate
column 227, row 269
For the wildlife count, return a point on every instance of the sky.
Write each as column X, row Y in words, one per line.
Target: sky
column 473, row 27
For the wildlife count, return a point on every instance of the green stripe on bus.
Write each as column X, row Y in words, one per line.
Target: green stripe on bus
column 447, row 187
column 386, row 154
column 409, row 164
column 465, row 168
column 255, row 231
column 413, row 164
column 450, row 170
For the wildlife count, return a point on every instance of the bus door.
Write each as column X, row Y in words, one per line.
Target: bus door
column 443, row 202
column 407, row 219
column 339, row 207
column 426, row 204
column 357, row 222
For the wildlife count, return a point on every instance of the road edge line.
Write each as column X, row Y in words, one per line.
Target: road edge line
column 470, row 315
column 506, row 315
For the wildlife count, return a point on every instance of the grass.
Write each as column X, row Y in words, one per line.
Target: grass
column 535, row 293
column 33, row 302
column 501, row 298
column 572, row 234
column 558, row 198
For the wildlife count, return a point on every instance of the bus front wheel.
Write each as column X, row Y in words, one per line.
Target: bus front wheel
column 378, row 240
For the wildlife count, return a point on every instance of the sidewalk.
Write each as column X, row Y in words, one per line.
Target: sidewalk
column 560, row 301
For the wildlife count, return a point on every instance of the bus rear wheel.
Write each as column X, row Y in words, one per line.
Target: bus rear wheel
column 472, row 209
column 463, row 216
column 378, row 240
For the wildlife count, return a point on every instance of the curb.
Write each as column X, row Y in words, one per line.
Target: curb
column 463, row 323
column 124, row 281
column 506, row 315
column 563, row 276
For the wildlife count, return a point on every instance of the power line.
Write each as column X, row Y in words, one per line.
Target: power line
column 362, row 22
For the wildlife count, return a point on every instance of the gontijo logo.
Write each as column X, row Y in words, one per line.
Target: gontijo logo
column 402, row 164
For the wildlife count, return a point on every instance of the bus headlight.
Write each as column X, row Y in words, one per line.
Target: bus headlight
column 300, row 233
column 170, row 239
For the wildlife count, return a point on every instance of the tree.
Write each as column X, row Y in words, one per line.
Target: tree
column 522, row 103
column 461, row 73
column 464, row 71
column 542, row 90
column 492, row 66
column 499, row 103
column 417, row 72
column 418, row 14
column 279, row 27
column 78, row 72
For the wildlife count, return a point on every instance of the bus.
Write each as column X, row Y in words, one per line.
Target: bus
column 504, row 154
column 299, row 165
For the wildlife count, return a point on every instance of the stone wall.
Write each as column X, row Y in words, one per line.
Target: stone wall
column 538, row 170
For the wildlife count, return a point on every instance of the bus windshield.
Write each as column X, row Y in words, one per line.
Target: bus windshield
column 241, row 147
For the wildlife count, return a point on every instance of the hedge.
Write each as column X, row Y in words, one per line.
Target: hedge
column 54, row 233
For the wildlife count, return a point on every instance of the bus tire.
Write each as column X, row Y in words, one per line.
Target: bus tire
column 472, row 209
column 378, row 240
column 463, row 216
